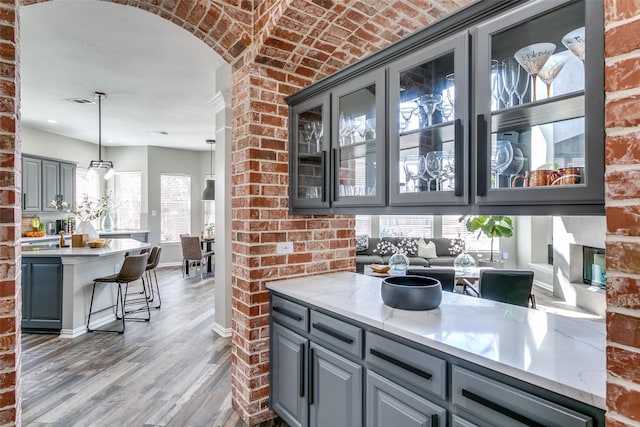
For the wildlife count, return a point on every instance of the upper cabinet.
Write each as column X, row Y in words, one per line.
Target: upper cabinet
column 44, row 180
column 483, row 112
column 538, row 141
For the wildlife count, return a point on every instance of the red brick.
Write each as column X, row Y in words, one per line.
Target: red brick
column 622, row 39
column 623, row 364
column 618, row 10
column 623, row 149
column 623, row 329
column 624, row 401
column 624, row 74
column 620, row 185
column 623, row 220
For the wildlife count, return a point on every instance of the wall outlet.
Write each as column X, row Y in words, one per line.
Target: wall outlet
column 285, row 248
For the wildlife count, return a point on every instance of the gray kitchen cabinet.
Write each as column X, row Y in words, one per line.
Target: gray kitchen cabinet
column 31, row 184
column 44, row 180
column 335, row 389
column 41, row 294
column 389, row 404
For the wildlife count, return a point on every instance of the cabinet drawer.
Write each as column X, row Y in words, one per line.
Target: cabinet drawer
column 336, row 333
column 407, row 364
column 289, row 313
column 505, row 405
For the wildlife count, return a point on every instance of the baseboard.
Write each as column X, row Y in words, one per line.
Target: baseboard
column 223, row 332
column 81, row 330
column 543, row 285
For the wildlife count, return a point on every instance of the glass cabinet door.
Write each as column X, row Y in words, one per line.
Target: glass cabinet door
column 538, row 140
column 309, row 168
column 428, row 103
column 358, row 150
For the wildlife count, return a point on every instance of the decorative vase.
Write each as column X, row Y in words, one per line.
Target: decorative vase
column 85, row 227
column 107, row 223
column 398, row 263
column 464, row 262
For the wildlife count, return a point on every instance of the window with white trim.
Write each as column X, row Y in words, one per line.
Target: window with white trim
column 127, row 200
column 406, row 225
column 86, row 183
column 175, row 207
column 363, row 225
column 475, row 241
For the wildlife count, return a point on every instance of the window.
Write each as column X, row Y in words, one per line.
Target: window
column 209, row 211
column 452, row 228
column 86, row 183
column 406, row 225
column 175, row 207
column 363, row 225
column 127, row 200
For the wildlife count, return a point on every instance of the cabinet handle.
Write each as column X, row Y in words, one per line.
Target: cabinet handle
column 310, row 392
column 434, row 420
column 334, row 333
column 459, row 159
column 400, row 364
column 481, row 130
column 24, row 201
column 324, row 170
column 288, row 313
column 301, row 370
column 500, row 409
column 336, row 168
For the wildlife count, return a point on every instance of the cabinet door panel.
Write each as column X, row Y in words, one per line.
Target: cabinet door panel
column 336, row 395
column 288, row 378
column 31, row 184
column 50, row 183
column 67, row 182
column 388, row 404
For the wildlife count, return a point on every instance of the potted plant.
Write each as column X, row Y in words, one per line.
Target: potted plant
column 491, row 225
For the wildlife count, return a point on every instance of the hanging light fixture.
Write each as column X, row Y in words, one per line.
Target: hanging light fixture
column 209, row 192
column 97, row 165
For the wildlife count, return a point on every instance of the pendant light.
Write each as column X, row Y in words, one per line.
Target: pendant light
column 97, row 165
column 209, row 192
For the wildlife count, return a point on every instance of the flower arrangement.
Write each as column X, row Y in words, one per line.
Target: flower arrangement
column 59, row 204
column 90, row 209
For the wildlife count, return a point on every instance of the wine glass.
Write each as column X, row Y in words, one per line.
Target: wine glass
column 450, row 91
column 510, row 74
column 552, row 68
column 496, row 82
column 345, row 130
column 446, row 110
column 503, row 158
column 406, row 113
column 429, row 102
column 307, row 133
column 532, row 58
column 523, row 85
column 575, row 42
column 434, row 166
column 317, row 132
column 411, row 169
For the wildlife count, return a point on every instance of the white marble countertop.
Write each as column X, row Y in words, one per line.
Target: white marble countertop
column 115, row 246
column 562, row 354
column 56, row 237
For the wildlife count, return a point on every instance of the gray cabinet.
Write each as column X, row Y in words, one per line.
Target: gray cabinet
column 31, row 184
column 335, row 389
column 389, row 404
column 41, row 294
column 44, row 180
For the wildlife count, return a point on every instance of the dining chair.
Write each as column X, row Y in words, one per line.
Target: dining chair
column 508, row 286
column 152, row 263
column 133, row 269
column 446, row 276
column 193, row 253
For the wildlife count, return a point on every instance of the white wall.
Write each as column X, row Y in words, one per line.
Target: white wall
column 47, row 144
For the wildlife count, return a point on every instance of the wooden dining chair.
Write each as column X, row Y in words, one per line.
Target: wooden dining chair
column 508, row 286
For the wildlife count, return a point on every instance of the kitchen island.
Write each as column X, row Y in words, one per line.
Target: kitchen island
column 57, row 284
column 501, row 349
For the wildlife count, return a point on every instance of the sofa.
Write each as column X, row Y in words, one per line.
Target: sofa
column 375, row 250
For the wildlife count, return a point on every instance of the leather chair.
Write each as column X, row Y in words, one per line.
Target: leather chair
column 193, row 253
column 508, row 286
column 446, row 276
column 133, row 268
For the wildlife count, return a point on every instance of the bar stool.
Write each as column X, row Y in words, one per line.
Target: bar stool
column 152, row 263
column 133, row 268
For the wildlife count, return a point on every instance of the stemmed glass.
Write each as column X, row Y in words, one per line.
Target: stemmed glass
column 503, row 158
column 317, row 132
column 411, row 169
column 510, row 73
column 552, row 68
column 307, row 133
column 434, row 166
column 532, row 58
column 450, row 91
column 522, row 86
column 429, row 102
column 575, row 42
column 496, row 82
column 446, row 110
column 345, row 129
column 406, row 113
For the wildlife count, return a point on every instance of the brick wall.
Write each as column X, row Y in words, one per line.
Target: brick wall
column 10, row 183
column 622, row 118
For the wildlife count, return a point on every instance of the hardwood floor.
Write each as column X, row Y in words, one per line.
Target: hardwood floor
column 171, row 371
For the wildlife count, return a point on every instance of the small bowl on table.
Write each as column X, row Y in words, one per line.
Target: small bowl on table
column 98, row 243
column 377, row 268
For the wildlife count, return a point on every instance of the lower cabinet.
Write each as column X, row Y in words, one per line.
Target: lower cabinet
column 41, row 295
column 389, row 404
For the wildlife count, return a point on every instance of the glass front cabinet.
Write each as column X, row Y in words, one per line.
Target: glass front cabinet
column 539, row 75
column 471, row 115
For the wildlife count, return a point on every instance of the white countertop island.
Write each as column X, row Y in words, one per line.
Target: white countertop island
column 561, row 354
column 80, row 266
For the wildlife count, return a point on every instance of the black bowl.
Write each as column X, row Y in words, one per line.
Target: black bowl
column 411, row 292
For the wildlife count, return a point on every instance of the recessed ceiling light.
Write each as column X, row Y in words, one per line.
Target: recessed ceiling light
column 80, row 100
column 52, row 121
column 157, row 132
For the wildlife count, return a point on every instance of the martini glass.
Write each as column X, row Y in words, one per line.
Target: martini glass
column 406, row 113
column 575, row 42
column 429, row 102
column 532, row 58
column 552, row 68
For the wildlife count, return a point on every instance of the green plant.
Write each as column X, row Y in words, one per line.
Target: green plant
column 491, row 225
column 90, row 209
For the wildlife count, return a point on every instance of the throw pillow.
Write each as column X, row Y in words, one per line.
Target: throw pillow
column 384, row 247
column 426, row 250
column 362, row 243
column 408, row 246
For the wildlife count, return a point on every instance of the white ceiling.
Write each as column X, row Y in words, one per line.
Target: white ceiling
column 157, row 76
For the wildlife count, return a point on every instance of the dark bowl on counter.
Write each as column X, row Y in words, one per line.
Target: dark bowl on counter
column 411, row 292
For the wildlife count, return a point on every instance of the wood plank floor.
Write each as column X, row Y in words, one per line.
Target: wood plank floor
column 171, row 371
